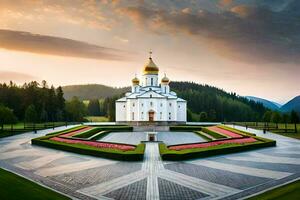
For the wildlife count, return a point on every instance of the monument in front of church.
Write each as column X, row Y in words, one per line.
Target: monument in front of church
column 150, row 100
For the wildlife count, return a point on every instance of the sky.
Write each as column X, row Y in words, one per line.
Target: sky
column 251, row 47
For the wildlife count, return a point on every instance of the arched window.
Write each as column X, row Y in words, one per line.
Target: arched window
column 133, row 104
column 150, row 95
column 132, row 115
column 170, row 104
column 151, row 81
column 169, row 115
column 160, row 115
column 151, row 103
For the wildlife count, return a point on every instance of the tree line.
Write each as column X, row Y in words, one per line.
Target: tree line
column 207, row 103
column 37, row 102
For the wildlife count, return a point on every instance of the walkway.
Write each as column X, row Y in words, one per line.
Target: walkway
column 232, row 176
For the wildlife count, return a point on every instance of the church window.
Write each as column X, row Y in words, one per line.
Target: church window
column 161, row 104
column 151, row 81
column 124, row 106
column 151, row 103
column 133, row 104
column 178, row 106
column 132, row 115
column 165, row 90
column 160, row 115
column 169, row 115
column 150, row 95
column 170, row 104
column 142, row 104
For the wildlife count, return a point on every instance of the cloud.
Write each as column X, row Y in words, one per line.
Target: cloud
column 248, row 33
column 43, row 44
column 6, row 76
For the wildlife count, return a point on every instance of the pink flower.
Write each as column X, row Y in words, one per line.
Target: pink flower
column 70, row 134
column 123, row 147
column 225, row 132
column 214, row 143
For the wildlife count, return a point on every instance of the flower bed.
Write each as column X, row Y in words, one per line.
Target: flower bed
column 213, row 143
column 123, row 147
column 70, row 134
column 225, row 132
column 63, row 140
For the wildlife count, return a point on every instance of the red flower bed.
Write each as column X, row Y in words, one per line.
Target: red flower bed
column 122, row 147
column 70, row 134
column 215, row 143
column 225, row 132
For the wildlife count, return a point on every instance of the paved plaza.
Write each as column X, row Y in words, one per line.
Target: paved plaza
column 232, row 176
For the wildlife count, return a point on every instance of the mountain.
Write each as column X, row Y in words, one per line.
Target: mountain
column 268, row 104
column 215, row 103
column 92, row 91
column 293, row 104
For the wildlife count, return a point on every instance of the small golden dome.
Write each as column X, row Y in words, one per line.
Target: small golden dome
column 151, row 68
column 165, row 80
column 135, row 81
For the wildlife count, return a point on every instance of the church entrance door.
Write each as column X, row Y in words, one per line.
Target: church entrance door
column 151, row 115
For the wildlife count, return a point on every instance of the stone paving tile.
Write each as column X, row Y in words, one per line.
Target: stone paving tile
column 172, row 191
column 21, row 159
column 89, row 177
column 222, row 177
column 279, row 154
column 64, row 161
column 134, row 191
column 261, row 165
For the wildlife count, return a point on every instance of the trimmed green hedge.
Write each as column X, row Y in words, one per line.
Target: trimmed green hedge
column 90, row 133
column 168, row 154
column 185, row 154
column 199, row 133
column 185, row 128
column 115, row 154
column 212, row 133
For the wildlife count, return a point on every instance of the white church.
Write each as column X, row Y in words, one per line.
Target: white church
column 150, row 101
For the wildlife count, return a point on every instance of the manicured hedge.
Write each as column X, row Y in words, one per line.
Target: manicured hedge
column 212, row 133
column 199, row 133
column 168, row 154
column 185, row 128
column 115, row 154
column 90, row 133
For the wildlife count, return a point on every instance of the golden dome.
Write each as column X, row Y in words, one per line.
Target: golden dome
column 165, row 79
column 151, row 68
column 135, row 81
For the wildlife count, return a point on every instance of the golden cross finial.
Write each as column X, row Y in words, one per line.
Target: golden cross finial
column 150, row 53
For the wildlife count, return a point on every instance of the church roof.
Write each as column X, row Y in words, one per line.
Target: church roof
column 150, row 68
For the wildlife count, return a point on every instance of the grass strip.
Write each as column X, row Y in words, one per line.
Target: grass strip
column 14, row 187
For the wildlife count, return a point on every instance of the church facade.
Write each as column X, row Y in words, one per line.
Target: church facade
column 151, row 100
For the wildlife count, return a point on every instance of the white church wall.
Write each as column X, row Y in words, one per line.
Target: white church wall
column 121, row 111
column 181, row 111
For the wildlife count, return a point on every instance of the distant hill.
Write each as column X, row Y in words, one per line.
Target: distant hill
column 92, row 91
column 293, row 104
column 268, row 104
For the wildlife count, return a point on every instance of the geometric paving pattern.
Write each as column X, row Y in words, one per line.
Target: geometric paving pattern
column 231, row 176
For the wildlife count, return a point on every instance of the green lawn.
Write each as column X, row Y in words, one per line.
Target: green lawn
column 14, row 187
column 287, row 192
column 97, row 118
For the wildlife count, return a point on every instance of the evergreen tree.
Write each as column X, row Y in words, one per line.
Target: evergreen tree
column 294, row 119
column 276, row 118
column 76, row 110
column 203, row 117
column 31, row 114
column 94, row 107
column 6, row 116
